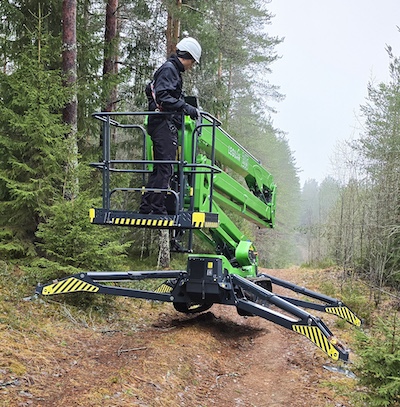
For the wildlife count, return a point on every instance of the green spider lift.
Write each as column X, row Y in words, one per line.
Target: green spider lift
column 214, row 176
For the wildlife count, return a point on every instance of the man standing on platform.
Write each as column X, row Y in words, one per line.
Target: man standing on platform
column 164, row 94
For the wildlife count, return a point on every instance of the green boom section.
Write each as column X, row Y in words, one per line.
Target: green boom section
column 250, row 190
column 249, row 193
column 229, row 153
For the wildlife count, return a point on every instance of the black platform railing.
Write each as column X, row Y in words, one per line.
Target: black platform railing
column 108, row 166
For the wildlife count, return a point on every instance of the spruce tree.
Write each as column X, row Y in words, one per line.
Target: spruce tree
column 32, row 148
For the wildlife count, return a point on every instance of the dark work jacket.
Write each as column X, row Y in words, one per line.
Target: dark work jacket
column 167, row 86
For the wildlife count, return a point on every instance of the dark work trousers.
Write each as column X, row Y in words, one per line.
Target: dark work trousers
column 165, row 142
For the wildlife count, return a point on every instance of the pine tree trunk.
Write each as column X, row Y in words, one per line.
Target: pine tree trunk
column 164, row 257
column 70, row 112
column 173, row 27
column 110, row 66
column 172, row 36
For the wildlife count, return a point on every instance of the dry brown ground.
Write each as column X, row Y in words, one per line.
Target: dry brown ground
column 159, row 359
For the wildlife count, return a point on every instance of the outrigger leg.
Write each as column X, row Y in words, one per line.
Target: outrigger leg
column 329, row 305
column 204, row 283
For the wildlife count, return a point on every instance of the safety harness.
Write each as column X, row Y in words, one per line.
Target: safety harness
column 153, row 93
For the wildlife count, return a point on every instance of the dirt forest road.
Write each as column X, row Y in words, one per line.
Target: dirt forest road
column 217, row 358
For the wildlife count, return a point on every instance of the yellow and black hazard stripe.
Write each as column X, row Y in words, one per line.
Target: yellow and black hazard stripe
column 185, row 220
column 92, row 214
column 345, row 313
column 144, row 222
column 69, row 285
column 198, row 219
column 204, row 220
column 315, row 335
column 163, row 289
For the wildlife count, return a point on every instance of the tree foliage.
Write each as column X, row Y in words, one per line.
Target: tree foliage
column 84, row 246
column 236, row 47
column 379, row 364
column 376, row 193
column 360, row 231
column 32, row 149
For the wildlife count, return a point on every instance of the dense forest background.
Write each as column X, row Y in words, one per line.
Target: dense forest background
column 63, row 60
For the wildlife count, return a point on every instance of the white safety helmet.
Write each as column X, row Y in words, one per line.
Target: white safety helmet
column 191, row 46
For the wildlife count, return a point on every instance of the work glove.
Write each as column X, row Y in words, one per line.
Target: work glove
column 192, row 112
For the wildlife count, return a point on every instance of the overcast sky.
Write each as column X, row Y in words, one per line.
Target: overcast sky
column 332, row 49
